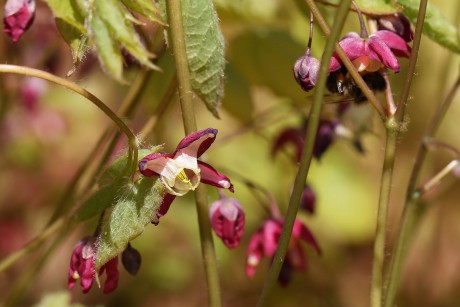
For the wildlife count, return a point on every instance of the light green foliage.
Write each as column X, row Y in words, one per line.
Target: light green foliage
column 237, row 100
column 205, row 51
column 112, row 186
column 108, row 25
column 376, row 7
column 437, row 26
column 57, row 299
column 128, row 217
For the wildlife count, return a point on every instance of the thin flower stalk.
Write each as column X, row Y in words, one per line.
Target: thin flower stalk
column 174, row 9
column 307, row 154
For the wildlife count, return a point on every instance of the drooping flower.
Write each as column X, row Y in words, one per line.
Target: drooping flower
column 370, row 54
column 181, row 171
column 397, row 23
column 306, row 70
column 17, row 17
column 227, row 220
column 265, row 241
column 82, row 267
column 324, row 138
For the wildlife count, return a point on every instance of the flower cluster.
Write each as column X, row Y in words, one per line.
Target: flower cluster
column 18, row 17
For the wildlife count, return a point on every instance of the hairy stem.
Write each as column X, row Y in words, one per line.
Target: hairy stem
column 174, row 9
column 307, row 154
column 21, row 70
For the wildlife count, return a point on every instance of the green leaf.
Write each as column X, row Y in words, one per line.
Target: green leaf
column 376, row 7
column 237, row 100
column 436, row 26
column 77, row 41
column 112, row 186
column 68, row 11
column 146, row 8
column 107, row 49
column 205, row 50
column 121, row 30
column 131, row 214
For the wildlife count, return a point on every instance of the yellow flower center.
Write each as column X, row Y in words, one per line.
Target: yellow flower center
column 182, row 177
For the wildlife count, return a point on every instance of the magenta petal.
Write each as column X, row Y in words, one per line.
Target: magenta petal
column 212, row 177
column 254, row 253
column 301, row 231
column 86, row 271
column 290, row 135
column 166, row 203
column 111, row 270
column 19, row 15
column 196, row 143
column 271, row 235
column 353, row 46
column 384, row 53
column 153, row 164
column 296, row 257
column 396, row 43
column 227, row 220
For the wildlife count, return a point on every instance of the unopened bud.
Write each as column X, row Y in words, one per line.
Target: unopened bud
column 306, row 70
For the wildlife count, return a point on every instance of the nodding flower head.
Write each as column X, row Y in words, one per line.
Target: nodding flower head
column 265, row 241
column 227, row 220
column 180, row 171
column 18, row 17
column 396, row 23
column 370, row 54
column 306, row 70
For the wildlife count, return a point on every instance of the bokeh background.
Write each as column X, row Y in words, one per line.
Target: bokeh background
column 42, row 148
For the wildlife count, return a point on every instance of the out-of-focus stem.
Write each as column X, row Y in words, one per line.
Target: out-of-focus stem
column 174, row 9
column 307, row 153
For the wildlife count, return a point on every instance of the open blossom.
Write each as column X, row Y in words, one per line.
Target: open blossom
column 181, row 171
column 265, row 241
column 370, row 54
column 82, row 267
column 227, row 220
column 17, row 17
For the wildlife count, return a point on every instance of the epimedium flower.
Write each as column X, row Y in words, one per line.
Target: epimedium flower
column 324, row 138
column 82, row 267
column 18, row 17
column 306, row 70
column 181, row 171
column 227, row 220
column 265, row 241
column 397, row 23
column 372, row 53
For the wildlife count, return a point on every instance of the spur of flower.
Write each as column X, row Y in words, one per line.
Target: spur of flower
column 181, row 171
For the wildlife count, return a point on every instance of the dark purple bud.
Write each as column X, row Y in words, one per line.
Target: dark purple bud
column 285, row 275
column 131, row 259
column 397, row 23
column 306, row 70
column 324, row 137
column 18, row 16
column 308, row 200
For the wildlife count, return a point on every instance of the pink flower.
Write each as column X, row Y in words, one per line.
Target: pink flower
column 180, row 171
column 265, row 241
column 306, row 70
column 18, row 16
column 370, row 54
column 397, row 23
column 82, row 267
column 227, row 220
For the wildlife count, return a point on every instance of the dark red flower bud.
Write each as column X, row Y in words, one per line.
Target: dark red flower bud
column 227, row 220
column 131, row 259
column 306, row 70
column 18, row 16
column 397, row 23
column 308, row 199
column 111, row 270
column 82, row 264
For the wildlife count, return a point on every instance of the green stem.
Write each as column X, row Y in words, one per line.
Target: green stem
column 411, row 209
column 384, row 200
column 174, row 9
column 346, row 61
column 307, row 154
column 21, row 70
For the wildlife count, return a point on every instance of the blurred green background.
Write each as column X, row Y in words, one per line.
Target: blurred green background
column 263, row 39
